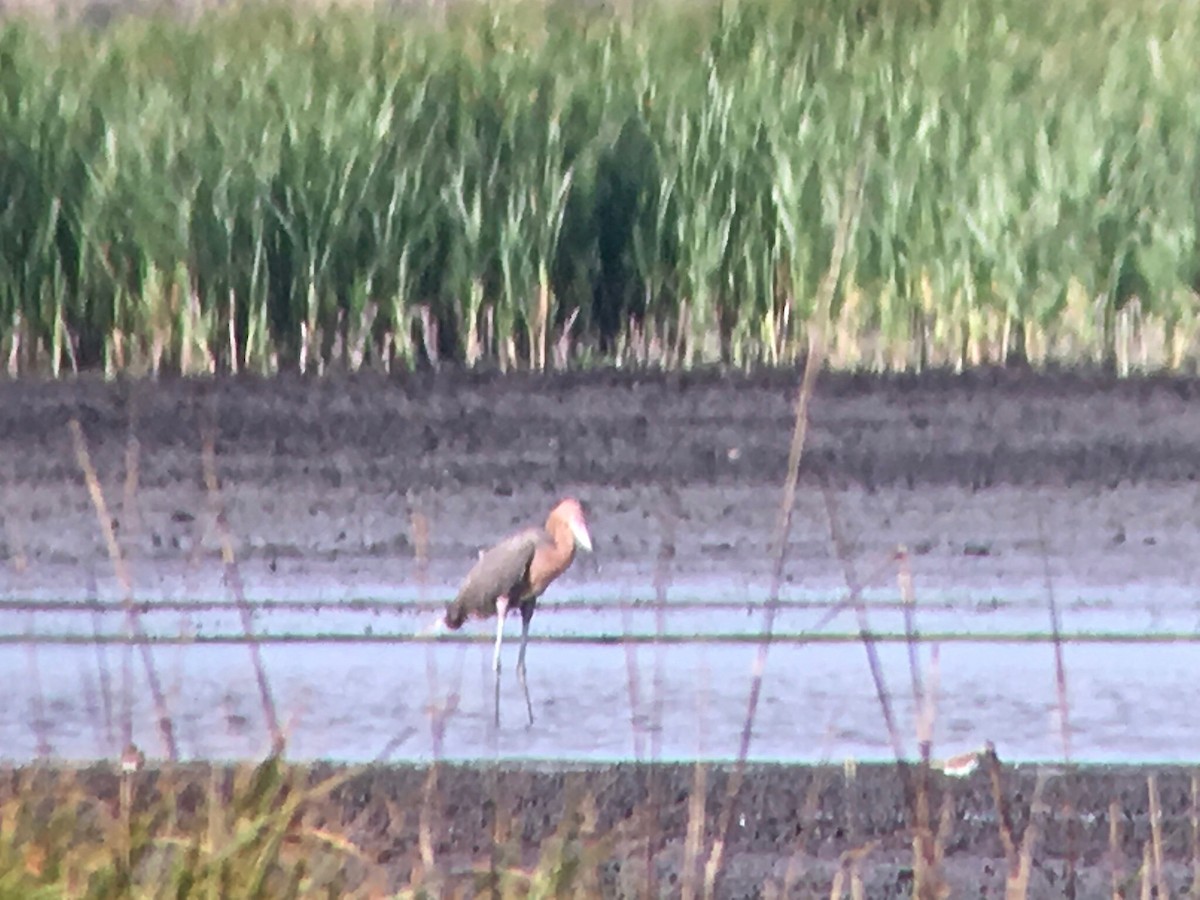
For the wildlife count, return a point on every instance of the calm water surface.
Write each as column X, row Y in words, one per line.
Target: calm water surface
column 607, row 700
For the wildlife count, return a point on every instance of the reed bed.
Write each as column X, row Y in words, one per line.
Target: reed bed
column 537, row 183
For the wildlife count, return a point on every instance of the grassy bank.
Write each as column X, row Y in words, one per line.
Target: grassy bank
column 523, row 184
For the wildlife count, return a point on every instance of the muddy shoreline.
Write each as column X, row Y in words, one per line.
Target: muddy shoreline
column 1007, row 488
column 333, row 468
column 510, row 432
column 790, row 826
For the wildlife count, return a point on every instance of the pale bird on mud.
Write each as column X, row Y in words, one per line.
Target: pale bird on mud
column 964, row 764
column 514, row 573
column 132, row 759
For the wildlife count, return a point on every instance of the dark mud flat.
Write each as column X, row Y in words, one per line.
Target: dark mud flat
column 460, row 430
column 1006, row 488
column 791, row 827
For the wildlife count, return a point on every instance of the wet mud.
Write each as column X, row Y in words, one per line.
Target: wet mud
column 317, row 468
column 788, row 831
column 1008, row 490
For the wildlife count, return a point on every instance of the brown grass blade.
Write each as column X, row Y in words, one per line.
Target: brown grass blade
column 694, row 839
column 233, row 579
column 1017, row 881
column 1060, row 669
column 1194, row 816
column 852, row 196
column 165, row 726
column 1115, row 856
column 1156, row 835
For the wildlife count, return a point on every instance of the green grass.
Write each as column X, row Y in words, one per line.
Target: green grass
column 535, row 182
column 248, row 833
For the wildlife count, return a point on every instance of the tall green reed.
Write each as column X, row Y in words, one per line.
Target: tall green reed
column 262, row 188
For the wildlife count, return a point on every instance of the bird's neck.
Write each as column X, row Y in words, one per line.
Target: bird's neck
column 564, row 542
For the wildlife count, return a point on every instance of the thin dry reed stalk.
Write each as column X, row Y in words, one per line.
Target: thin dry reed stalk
column 929, row 881
column 633, row 682
column 1194, row 816
column 908, row 598
column 1064, row 711
column 502, row 828
column 694, row 839
column 418, row 529
column 1016, row 885
column 440, row 708
column 233, row 579
column 837, row 888
column 429, row 817
column 668, row 512
column 1156, row 835
column 1147, row 879
column 850, row 867
column 1115, row 856
column 1071, row 877
column 15, row 539
column 38, row 699
column 126, row 812
column 1004, row 821
column 807, row 815
column 852, row 195
column 854, row 588
column 104, row 676
column 928, row 849
column 1060, row 669
column 131, row 520
column 426, row 825
column 133, row 619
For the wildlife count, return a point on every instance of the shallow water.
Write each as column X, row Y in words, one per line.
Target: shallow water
column 1008, row 488
column 361, row 689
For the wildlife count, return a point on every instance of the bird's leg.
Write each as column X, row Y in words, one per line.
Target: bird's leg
column 526, row 615
column 501, row 611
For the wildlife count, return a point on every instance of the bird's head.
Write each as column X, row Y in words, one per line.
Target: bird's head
column 570, row 513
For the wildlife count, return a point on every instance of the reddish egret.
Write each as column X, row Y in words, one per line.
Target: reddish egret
column 513, row 573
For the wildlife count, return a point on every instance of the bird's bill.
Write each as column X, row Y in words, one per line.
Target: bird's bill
column 582, row 538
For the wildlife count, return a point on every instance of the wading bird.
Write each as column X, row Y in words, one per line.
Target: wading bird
column 514, row 573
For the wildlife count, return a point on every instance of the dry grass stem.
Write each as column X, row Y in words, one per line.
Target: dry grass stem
column 1016, row 886
column 1156, row 835
column 852, row 195
column 426, row 826
column 694, row 840
column 1060, row 668
column 1194, row 843
column 1146, row 879
column 40, row 722
column 440, row 707
column 922, row 702
column 136, row 633
column 233, row 580
column 1116, row 856
column 854, row 589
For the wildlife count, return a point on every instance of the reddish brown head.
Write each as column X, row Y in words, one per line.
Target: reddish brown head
column 569, row 514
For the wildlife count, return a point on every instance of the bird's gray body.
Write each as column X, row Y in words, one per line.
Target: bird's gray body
column 513, row 573
column 502, row 571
